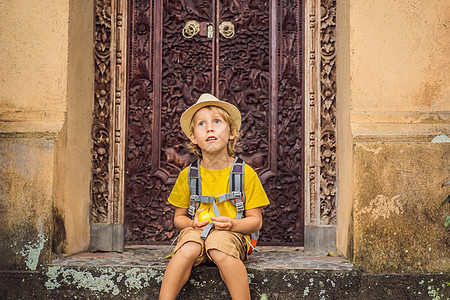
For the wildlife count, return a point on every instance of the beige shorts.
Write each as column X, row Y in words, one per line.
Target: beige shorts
column 228, row 242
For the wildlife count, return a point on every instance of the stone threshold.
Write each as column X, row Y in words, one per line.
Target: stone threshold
column 273, row 257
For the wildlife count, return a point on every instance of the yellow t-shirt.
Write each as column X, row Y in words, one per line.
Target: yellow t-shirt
column 215, row 183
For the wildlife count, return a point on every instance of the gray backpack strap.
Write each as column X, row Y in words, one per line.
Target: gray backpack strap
column 206, row 231
column 195, row 187
column 228, row 196
column 208, row 227
column 236, row 185
column 195, row 190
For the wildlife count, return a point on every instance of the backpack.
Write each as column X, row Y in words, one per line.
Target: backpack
column 236, row 195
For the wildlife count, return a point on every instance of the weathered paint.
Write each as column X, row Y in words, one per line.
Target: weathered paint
column 264, row 297
column 441, row 139
column 103, row 280
column 383, row 207
column 26, row 177
column 82, row 279
column 398, row 226
column 32, row 252
column 403, row 66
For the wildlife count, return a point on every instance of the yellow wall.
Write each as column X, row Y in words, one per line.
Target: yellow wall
column 399, row 55
column 33, row 60
column 46, row 92
column 72, row 188
column 344, row 135
column 393, row 100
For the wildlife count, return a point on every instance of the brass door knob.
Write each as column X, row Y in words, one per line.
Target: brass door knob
column 226, row 29
column 191, row 29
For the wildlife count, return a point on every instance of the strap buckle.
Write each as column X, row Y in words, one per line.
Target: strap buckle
column 191, row 210
column 193, row 205
column 195, row 198
column 239, row 205
column 236, row 195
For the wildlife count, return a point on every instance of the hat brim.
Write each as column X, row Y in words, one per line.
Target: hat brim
column 187, row 116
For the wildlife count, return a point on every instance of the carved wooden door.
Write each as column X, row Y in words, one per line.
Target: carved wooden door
column 248, row 53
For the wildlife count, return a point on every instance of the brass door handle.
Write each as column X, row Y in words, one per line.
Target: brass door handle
column 191, row 29
column 226, row 29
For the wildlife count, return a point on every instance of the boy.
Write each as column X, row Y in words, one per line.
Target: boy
column 213, row 129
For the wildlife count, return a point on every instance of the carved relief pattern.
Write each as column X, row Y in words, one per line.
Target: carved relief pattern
column 311, row 119
column 290, row 123
column 186, row 74
column 287, row 189
column 102, row 112
column 328, row 113
column 244, row 75
column 140, row 116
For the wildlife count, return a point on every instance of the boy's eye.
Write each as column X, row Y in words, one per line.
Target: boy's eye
column 201, row 124
column 217, row 121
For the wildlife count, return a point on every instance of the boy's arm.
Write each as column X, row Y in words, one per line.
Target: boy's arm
column 182, row 220
column 251, row 223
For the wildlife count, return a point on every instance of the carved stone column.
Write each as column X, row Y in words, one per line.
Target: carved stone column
column 320, row 125
column 108, row 130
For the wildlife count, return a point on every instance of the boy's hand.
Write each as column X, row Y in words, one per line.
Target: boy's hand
column 196, row 223
column 222, row 223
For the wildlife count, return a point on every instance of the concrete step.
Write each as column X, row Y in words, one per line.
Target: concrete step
column 273, row 273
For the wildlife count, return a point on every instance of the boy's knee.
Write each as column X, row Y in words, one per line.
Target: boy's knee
column 190, row 250
column 219, row 257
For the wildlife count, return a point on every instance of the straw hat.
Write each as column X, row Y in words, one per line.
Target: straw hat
column 209, row 100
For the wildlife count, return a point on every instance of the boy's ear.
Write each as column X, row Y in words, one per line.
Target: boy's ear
column 193, row 138
column 232, row 133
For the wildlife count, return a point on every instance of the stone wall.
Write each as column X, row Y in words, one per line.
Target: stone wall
column 393, row 130
column 26, row 176
column 398, row 223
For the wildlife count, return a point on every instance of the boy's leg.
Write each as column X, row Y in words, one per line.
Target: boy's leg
column 228, row 250
column 233, row 273
column 179, row 269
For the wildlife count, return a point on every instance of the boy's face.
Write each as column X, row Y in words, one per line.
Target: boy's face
column 210, row 131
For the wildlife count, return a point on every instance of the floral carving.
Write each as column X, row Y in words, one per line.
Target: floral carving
column 328, row 113
column 102, row 112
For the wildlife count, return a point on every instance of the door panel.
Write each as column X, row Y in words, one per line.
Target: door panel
column 169, row 71
column 244, row 74
column 186, row 74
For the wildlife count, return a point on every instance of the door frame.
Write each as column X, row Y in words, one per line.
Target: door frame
column 110, row 109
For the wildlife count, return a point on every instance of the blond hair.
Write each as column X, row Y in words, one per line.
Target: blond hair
column 231, row 145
